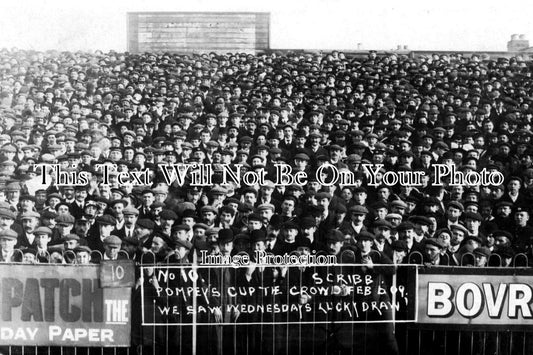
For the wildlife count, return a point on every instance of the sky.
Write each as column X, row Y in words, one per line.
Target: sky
column 295, row 24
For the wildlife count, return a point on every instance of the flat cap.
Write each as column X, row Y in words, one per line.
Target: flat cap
column 82, row 248
column 168, row 215
column 364, row 235
column 381, row 223
column 65, row 218
column 182, row 227
column 8, row 234
column 435, row 242
column 289, row 225
column 484, row 251
column 266, row 206
column 208, row 208
column 473, row 215
column 146, row 223
column 405, row 226
column 201, row 226
column 393, row 216
column 71, row 236
column 106, row 220
column 218, row 190
column 357, row 209
column 301, row 156
column 113, row 241
column 334, row 236
column 13, row 186
column 30, row 214
column 131, row 241
column 182, row 243
column 501, row 233
column 459, row 227
column 398, row 204
column 457, row 205
column 130, row 210
column 42, row 230
column 422, row 220
column 399, row 245
column 7, row 213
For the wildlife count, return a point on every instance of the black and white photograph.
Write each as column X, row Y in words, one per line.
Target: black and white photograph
column 285, row 177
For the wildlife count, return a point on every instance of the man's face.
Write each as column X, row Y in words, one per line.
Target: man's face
column 287, row 207
column 496, row 193
column 432, row 252
column 13, row 195
column 501, row 241
column 266, row 214
column 384, row 193
column 360, row 198
column 193, row 196
column 472, row 224
column 407, row 235
column 188, row 221
column 29, row 224
column 106, row 229
column 69, row 193
column 290, row 234
column 309, row 232
column 82, row 227
column 158, row 245
column 209, row 217
column 334, row 248
column 70, row 244
column 160, row 197
column 254, row 225
column 226, row 248
column 521, row 218
column 181, row 252
column 42, row 240
column 366, row 245
column 111, row 251
column 148, row 199
column 118, row 208
column 130, row 220
column 7, row 244
column 480, row 260
column 358, row 218
column 504, row 211
column 457, row 236
column 167, row 223
column 64, row 228
column 382, row 232
column 83, row 257
column 445, row 239
column 453, row 213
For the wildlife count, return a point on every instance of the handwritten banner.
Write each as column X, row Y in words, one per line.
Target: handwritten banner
column 348, row 293
column 58, row 305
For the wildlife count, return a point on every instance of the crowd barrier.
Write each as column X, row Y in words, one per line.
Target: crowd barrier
column 179, row 308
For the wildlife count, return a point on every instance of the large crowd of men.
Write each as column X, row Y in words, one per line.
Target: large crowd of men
column 136, row 113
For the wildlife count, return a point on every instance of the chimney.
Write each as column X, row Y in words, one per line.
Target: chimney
column 517, row 43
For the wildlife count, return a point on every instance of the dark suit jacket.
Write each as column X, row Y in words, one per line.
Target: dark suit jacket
column 76, row 210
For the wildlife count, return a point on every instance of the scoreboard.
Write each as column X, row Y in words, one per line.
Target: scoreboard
column 198, row 32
